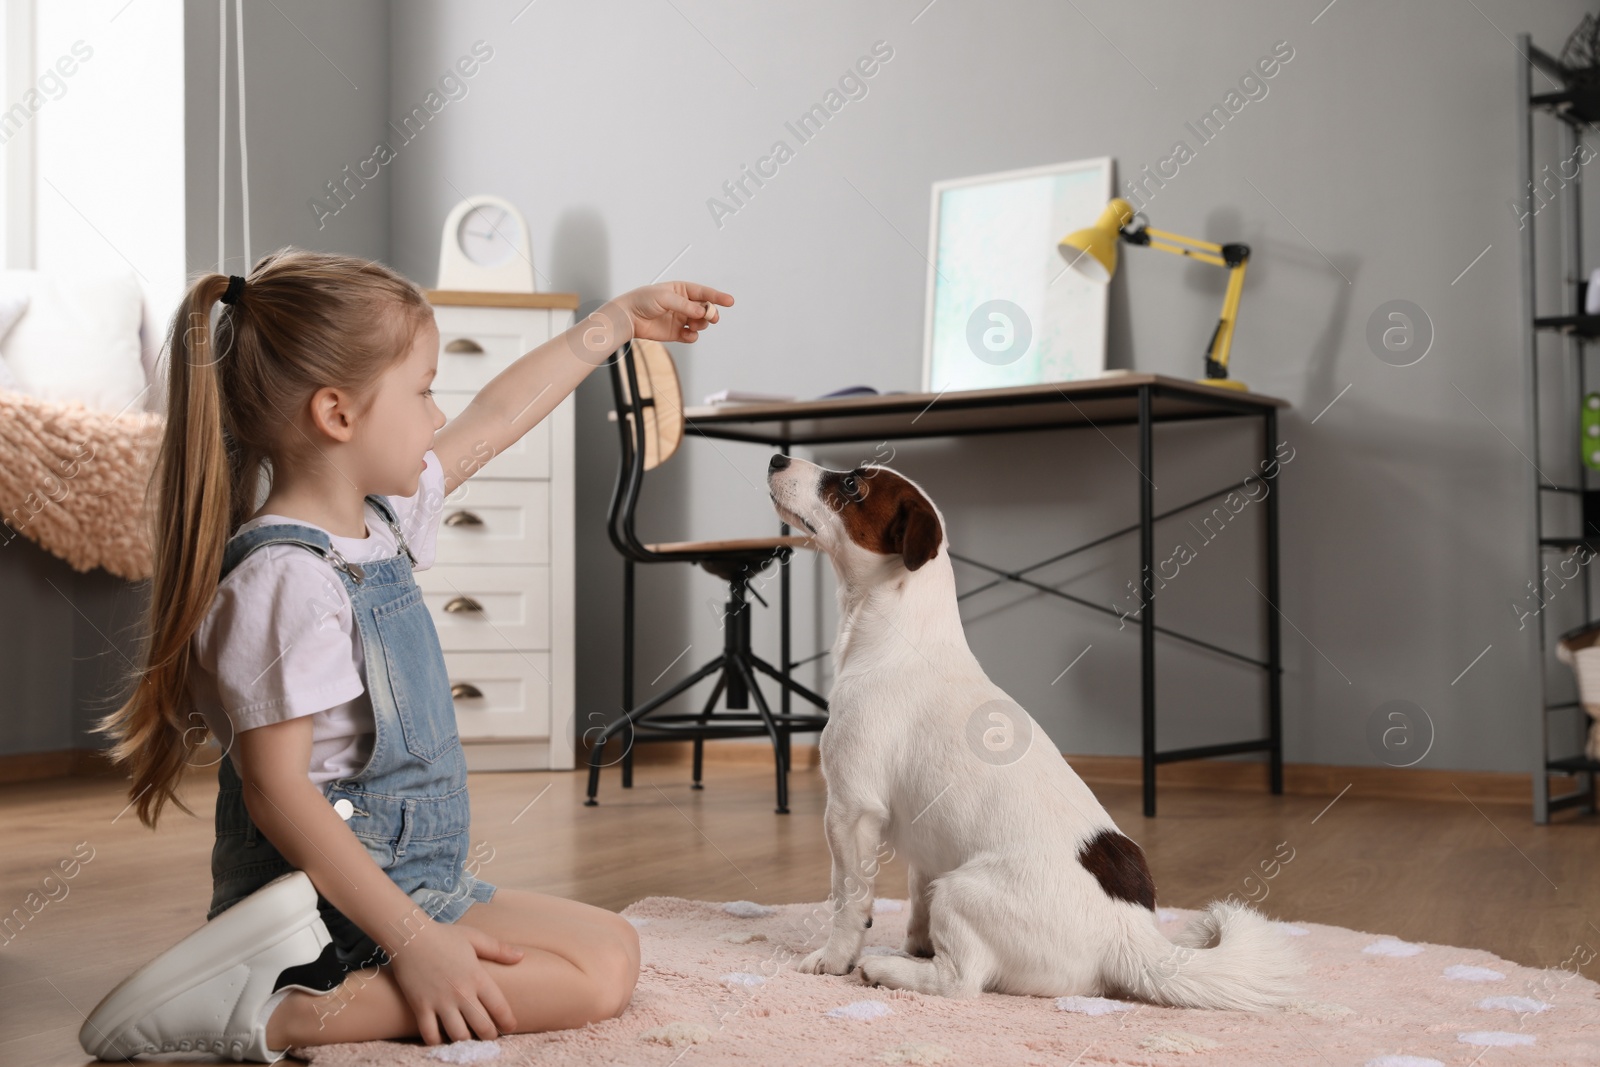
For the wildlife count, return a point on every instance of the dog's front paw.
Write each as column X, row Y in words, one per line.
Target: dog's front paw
column 828, row 959
column 892, row 972
column 917, row 945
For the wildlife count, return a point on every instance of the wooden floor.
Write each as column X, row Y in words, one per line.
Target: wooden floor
column 1445, row 872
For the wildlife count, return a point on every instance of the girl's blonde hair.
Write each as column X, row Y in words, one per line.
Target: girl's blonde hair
column 304, row 320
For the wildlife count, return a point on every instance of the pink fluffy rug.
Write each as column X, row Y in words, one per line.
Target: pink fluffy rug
column 718, row 986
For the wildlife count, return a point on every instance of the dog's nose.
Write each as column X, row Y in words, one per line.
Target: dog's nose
column 778, row 463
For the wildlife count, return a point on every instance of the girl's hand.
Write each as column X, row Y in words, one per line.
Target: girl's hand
column 673, row 311
column 448, row 989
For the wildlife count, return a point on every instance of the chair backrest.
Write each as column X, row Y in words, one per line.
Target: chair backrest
column 662, row 414
column 649, row 410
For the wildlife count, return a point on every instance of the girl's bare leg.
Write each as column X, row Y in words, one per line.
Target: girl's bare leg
column 580, row 966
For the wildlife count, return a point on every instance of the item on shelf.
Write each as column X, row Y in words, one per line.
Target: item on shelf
column 746, row 396
column 850, row 390
column 485, row 248
column 1590, row 420
column 1092, row 252
column 1591, row 293
column 1583, row 45
column 1580, row 650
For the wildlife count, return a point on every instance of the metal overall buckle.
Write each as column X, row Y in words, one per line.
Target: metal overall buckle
column 352, row 569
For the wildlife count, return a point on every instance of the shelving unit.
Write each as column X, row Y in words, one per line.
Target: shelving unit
column 1575, row 104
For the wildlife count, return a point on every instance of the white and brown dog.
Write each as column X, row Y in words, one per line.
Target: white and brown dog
column 1019, row 880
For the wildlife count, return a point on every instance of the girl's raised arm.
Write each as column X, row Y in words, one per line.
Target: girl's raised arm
column 519, row 397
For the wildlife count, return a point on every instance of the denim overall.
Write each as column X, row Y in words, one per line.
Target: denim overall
column 409, row 802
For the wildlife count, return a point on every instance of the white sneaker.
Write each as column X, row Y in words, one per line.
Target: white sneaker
column 215, row 990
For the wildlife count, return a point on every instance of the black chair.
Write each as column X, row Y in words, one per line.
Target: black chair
column 649, row 413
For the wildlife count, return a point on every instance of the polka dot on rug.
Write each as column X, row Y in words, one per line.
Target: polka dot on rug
column 747, row 909
column 466, row 1052
column 677, row 1034
column 861, row 1010
column 637, row 920
column 1517, row 1004
column 916, row 1052
column 1176, row 1041
column 742, row 980
column 742, row 937
column 1392, row 946
column 884, row 904
column 1092, row 1005
column 1404, row 1061
column 1494, row 1038
column 1461, row 972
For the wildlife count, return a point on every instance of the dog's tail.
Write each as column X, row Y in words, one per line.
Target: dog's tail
column 1229, row 956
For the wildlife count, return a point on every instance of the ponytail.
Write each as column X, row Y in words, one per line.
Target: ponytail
column 190, row 512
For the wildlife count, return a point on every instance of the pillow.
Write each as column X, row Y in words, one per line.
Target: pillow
column 79, row 337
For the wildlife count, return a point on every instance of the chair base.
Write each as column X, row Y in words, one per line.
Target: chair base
column 736, row 669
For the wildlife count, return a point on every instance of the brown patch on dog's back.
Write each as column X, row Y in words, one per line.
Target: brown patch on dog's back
column 1117, row 863
column 885, row 514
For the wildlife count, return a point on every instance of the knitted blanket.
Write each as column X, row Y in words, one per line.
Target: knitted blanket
column 73, row 480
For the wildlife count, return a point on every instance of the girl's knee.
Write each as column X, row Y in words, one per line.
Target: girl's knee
column 630, row 940
column 615, row 969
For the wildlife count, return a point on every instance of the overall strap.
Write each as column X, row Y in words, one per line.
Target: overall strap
column 284, row 533
column 382, row 506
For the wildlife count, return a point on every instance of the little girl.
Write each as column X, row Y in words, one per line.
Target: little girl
column 291, row 625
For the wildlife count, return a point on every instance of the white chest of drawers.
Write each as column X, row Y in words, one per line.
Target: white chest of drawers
column 501, row 587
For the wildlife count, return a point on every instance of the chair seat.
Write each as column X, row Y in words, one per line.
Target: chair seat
column 735, row 546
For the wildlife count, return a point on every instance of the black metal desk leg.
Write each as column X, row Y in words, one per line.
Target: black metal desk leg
column 627, row 667
column 783, row 619
column 1147, row 620
column 1274, row 650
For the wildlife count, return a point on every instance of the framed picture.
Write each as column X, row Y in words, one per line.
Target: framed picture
column 1002, row 307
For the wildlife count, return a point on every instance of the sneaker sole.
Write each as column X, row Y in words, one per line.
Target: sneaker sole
column 282, row 909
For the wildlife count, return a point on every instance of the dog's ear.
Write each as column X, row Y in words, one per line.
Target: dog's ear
column 916, row 530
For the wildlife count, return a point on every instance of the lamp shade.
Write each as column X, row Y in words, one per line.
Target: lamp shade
column 1092, row 252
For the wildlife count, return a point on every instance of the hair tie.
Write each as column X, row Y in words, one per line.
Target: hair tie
column 235, row 287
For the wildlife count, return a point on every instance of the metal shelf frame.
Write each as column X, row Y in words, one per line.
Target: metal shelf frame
column 1576, row 330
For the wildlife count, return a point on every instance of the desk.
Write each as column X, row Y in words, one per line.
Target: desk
column 1117, row 400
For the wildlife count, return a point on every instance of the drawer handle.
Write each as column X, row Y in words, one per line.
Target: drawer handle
column 462, row 518
column 464, row 689
column 462, row 603
column 464, row 345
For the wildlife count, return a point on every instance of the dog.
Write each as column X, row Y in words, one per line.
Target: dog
column 1019, row 881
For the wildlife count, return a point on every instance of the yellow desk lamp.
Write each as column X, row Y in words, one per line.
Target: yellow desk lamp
column 1093, row 253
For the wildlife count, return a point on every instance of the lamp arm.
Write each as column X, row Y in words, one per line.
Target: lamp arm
column 1203, row 257
column 1165, row 241
column 1222, row 336
column 1233, row 256
column 1209, row 246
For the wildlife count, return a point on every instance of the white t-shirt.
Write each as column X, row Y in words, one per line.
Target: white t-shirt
column 280, row 639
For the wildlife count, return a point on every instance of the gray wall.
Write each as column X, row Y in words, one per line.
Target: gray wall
column 1378, row 165
column 317, row 99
